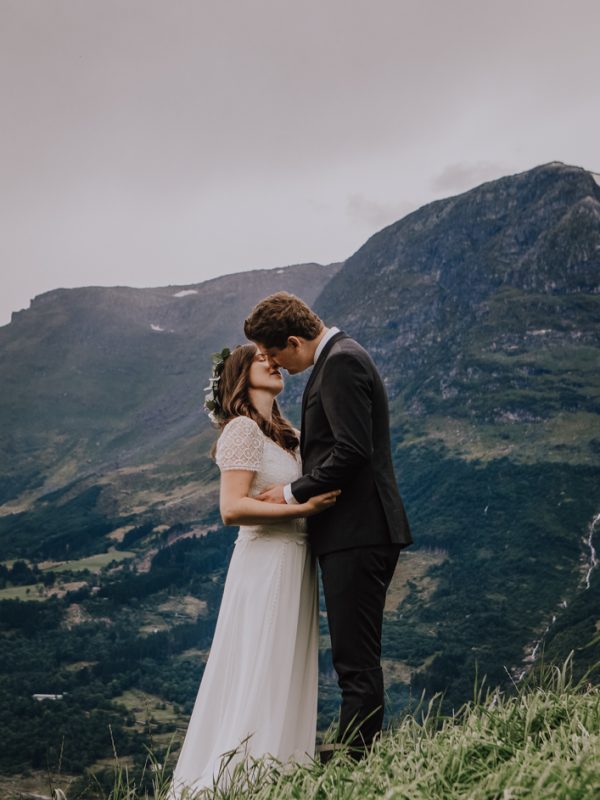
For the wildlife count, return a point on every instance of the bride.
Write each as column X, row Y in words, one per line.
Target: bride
column 258, row 694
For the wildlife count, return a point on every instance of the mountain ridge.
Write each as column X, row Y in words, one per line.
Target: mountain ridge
column 120, row 366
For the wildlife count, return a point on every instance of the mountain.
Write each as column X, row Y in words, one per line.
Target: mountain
column 469, row 296
column 482, row 313
column 97, row 380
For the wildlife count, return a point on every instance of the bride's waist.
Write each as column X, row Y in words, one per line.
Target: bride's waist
column 294, row 530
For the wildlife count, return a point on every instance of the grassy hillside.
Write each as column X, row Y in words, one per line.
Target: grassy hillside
column 540, row 741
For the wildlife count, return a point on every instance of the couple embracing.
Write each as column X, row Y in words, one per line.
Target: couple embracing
column 327, row 493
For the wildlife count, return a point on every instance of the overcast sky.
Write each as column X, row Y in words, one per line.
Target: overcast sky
column 154, row 142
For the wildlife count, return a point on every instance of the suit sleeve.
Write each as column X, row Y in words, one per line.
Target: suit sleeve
column 346, row 396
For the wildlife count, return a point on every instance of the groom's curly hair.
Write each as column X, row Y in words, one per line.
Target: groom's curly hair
column 278, row 316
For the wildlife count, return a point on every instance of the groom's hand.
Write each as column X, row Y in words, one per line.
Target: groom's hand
column 272, row 495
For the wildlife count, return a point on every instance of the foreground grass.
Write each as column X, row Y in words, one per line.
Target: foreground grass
column 542, row 741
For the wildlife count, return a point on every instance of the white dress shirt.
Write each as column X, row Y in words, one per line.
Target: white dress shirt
column 287, row 489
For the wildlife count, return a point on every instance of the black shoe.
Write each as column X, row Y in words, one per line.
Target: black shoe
column 324, row 752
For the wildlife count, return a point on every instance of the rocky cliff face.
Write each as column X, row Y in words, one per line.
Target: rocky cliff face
column 537, row 231
column 485, row 307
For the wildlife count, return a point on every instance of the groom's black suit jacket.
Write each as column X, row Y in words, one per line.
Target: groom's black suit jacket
column 345, row 444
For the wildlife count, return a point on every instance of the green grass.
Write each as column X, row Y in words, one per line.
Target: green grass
column 37, row 591
column 31, row 591
column 147, row 706
column 542, row 741
column 560, row 438
column 93, row 563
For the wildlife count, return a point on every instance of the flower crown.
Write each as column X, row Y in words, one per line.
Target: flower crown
column 211, row 399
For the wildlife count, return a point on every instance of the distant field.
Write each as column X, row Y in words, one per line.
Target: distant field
column 145, row 705
column 35, row 591
column 93, row 563
column 151, row 710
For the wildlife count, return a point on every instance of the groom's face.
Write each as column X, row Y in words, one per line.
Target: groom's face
column 294, row 357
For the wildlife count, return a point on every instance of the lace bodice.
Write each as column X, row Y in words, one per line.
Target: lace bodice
column 243, row 445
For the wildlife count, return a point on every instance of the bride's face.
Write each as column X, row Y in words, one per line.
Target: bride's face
column 264, row 376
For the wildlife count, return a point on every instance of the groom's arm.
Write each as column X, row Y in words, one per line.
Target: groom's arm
column 346, row 397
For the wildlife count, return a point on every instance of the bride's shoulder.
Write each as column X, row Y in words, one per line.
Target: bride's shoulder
column 240, row 424
column 240, row 429
column 240, row 444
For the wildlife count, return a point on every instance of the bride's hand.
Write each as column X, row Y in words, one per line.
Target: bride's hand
column 321, row 502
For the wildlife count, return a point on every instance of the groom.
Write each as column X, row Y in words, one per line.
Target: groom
column 345, row 444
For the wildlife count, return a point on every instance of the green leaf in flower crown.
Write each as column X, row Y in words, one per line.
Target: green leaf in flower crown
column 218, row 357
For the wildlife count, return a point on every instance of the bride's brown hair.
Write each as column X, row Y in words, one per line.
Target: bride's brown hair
column 234, row 398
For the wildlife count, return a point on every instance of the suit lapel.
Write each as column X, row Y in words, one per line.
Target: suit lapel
column 315, row 371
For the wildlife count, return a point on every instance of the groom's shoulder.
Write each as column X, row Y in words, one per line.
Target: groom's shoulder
column 348, row 349
column 346, row 344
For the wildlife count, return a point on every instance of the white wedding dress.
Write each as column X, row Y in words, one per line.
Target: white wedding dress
column 261, row 676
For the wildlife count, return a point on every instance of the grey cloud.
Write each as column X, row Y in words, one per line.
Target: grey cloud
column 149, row 141
column 457, row 178
column 373, row 215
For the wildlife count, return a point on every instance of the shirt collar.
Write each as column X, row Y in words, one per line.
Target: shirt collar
column 331, row 332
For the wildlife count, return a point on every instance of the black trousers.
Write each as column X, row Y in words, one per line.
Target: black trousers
column 355, row 582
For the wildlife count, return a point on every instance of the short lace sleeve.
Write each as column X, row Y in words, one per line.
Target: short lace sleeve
column 240, row 446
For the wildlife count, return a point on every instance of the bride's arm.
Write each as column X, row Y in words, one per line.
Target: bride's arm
column 237, row 508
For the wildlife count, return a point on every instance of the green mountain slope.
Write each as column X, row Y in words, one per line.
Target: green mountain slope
column 97, row 379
